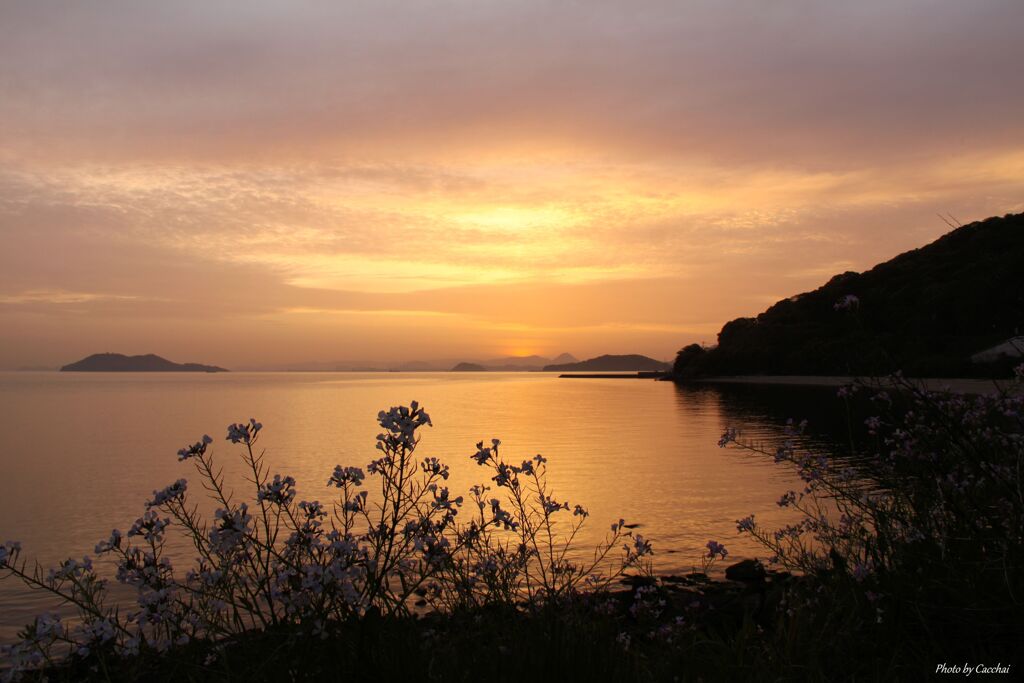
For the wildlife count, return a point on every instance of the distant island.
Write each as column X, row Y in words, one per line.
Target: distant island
column 609, row 363
column 511, row 364
column 522, row 363
column 469, row 367
column 117, row 362
column 952, row 308
column 504, row 364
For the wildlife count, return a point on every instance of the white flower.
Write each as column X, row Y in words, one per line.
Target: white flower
column 356, row 503
column 787, row 499
column 98, row 631
column 482, row 454
column 174, row 491
column 113, row 542
column 196, row 449
column 71, row 569
column 501, row 517
column 716, row 549
column 231, row 528
column 401, row 424
column 435, row 466
column 344, row 475
column 550, row 505
column 280, row 491
column 443, row 502
column 244, row 433
column 312, row 509
column 8, row 550
column 641, row 547
column 506, row 476
column 150, row 527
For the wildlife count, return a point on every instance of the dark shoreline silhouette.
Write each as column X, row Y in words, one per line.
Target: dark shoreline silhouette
column 643, row 374
column 943, row 310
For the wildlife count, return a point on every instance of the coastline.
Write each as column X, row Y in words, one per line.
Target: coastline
column 957, row 385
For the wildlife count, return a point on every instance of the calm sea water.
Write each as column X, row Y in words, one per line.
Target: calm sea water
column 80, row 453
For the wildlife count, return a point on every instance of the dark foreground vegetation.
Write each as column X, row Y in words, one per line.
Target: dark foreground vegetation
column 900, row 561
column 925, row 312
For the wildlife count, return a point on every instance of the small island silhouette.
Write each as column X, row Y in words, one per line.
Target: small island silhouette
column 469, row 367
column 118, row 362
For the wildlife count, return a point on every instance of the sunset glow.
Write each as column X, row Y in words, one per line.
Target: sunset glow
column 255, row 186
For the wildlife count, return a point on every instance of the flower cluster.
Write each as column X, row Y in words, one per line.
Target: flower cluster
column 280, row 491
column 195, row 450
column 112, row 543
column 244, row 433
column 716, row 549
column 346, row 475
column 231, row 529
column 640, row 548
column 9, row 552
column 175, row 491
column 400, row 424
column 484, row 455
column 150, row 527
column 434, row 466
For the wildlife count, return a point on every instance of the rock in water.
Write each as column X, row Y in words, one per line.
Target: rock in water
column 747, row 571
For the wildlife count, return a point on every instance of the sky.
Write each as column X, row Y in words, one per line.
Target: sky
column 263, row 183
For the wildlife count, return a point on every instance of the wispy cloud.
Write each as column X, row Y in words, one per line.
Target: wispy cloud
column 59, row 297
